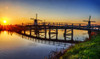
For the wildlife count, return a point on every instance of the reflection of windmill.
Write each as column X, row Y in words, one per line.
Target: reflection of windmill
column 35, row 20
column 89, row 22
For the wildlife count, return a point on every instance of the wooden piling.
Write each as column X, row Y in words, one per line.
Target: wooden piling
column 24, row 31
column 72, row 33
column 45, row 32
column 65, row 35
column 30, row 31
column 56, row 33
column 49, row 33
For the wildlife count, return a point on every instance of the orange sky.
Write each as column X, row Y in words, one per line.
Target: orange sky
column 16, row 12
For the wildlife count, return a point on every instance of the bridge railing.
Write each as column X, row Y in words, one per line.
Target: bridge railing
column 75, row 25
column 57, row 24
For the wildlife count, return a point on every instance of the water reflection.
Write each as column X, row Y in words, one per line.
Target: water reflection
column 15, row 46
column 64, row 45
column 78, row 35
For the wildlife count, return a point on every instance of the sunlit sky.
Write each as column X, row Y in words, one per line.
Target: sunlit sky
column 70, row 11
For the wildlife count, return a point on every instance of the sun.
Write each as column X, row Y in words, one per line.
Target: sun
column 4, row 21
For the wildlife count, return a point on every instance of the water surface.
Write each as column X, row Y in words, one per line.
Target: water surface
column 15, row 46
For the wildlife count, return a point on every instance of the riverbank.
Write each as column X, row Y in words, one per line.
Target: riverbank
column 86, row 50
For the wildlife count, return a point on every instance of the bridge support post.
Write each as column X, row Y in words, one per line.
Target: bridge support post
column 24, row 31
column 49, row 33
column 45, row 32
column 56, row 33
column 65, row 35
column 30, row 31
column 38, row 32
column 79, row 25
column 89, row 33
column 72, row 34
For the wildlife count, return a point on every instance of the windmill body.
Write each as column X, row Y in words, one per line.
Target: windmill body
column 36, row 20
column 89, row 22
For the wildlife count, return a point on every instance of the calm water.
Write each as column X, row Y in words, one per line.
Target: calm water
column 15, row 46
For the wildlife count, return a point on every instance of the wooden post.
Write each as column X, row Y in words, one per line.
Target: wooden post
column 72, row 33
column 45, row 32
column 89, row 33
column 30, row 31
column 38, row 32
column 24, row 31
column 56, row 33
column 49, row 33
column 65, row 35
column 79, row 25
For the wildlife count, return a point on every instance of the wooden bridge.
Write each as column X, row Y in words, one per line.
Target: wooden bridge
column 52, row 29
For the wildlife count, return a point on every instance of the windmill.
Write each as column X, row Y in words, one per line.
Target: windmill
column 89, row 22
column 35, row 20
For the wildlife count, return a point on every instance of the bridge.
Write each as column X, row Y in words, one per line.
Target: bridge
column 52, row 29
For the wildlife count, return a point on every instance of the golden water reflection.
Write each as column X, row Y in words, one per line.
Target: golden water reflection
column 11, row 41
column 13, row 46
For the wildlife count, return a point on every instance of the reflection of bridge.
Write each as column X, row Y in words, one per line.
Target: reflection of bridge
column 62, row 44
column 52, row 29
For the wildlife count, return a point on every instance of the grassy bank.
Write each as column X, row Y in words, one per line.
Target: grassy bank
column 85, row 50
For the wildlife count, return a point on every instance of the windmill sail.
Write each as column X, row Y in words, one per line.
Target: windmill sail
column 36, row 20
column 89, row 21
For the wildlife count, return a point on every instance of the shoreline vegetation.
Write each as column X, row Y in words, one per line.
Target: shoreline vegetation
column 86, row 50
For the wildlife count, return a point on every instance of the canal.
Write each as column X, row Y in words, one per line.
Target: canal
column 16, row 46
